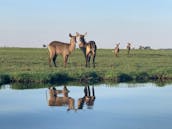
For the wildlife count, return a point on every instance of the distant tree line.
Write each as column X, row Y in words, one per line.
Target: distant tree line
column 145, row 47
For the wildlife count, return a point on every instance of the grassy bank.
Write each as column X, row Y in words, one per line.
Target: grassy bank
column 31, row 65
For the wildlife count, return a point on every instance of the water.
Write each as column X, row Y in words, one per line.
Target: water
column 122, row 106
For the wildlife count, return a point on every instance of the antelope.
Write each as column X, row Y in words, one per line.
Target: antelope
column 128, row 48
column 59, row 48
column 88, row 48
column 56, row 100
column 87, row 99
column 116, row 50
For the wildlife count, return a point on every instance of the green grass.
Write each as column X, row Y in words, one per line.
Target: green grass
column 31, row 65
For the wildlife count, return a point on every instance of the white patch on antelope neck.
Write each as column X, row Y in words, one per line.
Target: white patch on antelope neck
column 78, row 40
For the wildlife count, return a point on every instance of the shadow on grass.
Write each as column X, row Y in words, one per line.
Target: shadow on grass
column 4, row 79
column 124, row 78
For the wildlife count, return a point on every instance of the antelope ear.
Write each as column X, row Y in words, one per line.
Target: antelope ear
column 70, row 35
column 85, row 33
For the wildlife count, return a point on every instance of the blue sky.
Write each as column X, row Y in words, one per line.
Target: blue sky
column 31, row 23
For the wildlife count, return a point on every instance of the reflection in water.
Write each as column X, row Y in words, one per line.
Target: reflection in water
column 122, row 106
column 64, row 100
column 56, row 100
column 87, row 99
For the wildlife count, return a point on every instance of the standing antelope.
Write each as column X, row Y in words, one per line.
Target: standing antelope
column 88, row 49
column 59, row 48
column 128, row 48
column 116, row 50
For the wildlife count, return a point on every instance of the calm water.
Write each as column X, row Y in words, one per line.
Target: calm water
column 122, row 106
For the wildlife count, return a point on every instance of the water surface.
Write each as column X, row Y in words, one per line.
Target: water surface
column 122, row 106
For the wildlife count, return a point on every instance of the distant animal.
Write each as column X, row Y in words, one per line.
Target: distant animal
column 128, row 48
column 88, row 48
column 60, row 48
column 116, row 50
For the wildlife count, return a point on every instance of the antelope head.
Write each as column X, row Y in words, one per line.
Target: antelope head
column 73, row 38
column 81, row 39
column 128, row 43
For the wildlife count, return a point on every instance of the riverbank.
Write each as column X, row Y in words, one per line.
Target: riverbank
column 30, row 65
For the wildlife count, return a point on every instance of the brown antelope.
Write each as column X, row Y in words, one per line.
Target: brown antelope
column 128, row 48
column 59, row 48
column 116, row 50
column 87, row 99
column 88, row 49
column 56, row 100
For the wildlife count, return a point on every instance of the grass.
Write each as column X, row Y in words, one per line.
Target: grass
column 31, row 65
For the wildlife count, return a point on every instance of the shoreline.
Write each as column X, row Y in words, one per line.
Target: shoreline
column 89, row 77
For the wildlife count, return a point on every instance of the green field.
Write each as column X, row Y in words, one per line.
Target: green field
column 31, row 65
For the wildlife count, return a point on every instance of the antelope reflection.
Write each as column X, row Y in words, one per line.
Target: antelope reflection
column 64, row 100
column 88, row 99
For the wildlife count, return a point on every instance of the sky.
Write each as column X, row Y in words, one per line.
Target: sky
column 32, row 23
